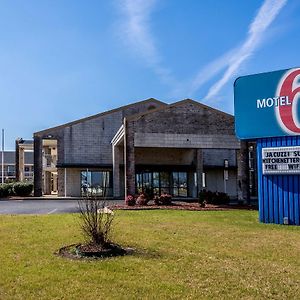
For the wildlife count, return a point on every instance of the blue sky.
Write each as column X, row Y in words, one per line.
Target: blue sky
column 63, row 60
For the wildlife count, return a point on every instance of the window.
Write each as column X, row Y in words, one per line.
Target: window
column 11, row 170
column 165, row 182
column 174, row 183
column 96, row 183
column 179, row 184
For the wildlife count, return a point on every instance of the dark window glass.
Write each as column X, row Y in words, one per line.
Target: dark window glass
column 179, row 184
column 174, row 183
column 96, row 183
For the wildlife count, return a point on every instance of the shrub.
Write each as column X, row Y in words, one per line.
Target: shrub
column 11, row 188
column 164, row 199
column 216, row 198
column 4, row 190
column 148, row 193
column 22, row 189
column 222, row 198
column 130, row 201
column 142, row 199
column 156, row 200
column 202, row 198
column 96, row 221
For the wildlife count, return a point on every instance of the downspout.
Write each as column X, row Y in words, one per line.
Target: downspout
column 125, row 155
column 65, row 183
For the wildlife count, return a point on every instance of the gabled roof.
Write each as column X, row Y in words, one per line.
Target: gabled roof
column 175, row 104
column 98, row 115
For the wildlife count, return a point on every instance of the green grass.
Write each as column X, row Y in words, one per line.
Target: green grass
column 180, row 255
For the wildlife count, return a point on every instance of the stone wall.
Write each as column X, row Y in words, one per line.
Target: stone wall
column 215, row 157
column 73, row 182
column 85, row 141
column 186, row 117
column 89, row 141
column 164, row 156
column 186, row 124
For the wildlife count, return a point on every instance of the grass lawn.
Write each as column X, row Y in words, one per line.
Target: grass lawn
column 180, row 255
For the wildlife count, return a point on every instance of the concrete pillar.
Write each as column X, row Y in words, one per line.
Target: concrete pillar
column 192, row 191
column 199, row 169
column 243, row 173
column 129, row 160
column 54, row 178
column 60, row 182
column 116, row 171
column 47, row 183
column 17, row 161
column 38, row 166
column 21, row 164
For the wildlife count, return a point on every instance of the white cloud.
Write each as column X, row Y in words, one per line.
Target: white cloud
column 137, row 34
column 209, row 71
column 265, row 16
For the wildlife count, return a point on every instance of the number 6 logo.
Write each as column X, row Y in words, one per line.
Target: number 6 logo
column 287, row 115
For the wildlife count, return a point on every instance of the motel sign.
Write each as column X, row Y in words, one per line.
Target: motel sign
column 267, row 110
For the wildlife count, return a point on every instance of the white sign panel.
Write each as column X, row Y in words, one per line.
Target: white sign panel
column 281, row 160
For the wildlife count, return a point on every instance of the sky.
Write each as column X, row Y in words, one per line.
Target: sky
column 64, row 60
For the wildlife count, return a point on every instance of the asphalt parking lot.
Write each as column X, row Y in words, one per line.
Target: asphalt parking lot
column 38, row 207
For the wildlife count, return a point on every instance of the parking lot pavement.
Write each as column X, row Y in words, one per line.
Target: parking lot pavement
column 41, row 207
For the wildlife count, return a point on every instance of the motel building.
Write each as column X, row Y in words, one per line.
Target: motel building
column 177, row 148
column 17, row 166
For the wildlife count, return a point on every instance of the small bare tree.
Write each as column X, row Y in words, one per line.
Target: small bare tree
column 96, row 220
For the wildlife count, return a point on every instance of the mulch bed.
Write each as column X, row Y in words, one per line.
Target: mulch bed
column 84, row 252
column 194, row 206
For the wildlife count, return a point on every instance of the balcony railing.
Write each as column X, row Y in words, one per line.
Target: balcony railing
column 8, row 173
column 28, row 174
column 49, row 161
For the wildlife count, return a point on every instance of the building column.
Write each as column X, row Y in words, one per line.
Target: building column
column 54, row 177
column 243, row 173
column 60, row 182
column 199, row 169
column 47, row 183
column 17, row 161
column 38, row 166
column 129, row 160
column 21, row 164
column 116, row 171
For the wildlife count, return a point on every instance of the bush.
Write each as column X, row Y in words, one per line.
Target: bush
column 22, row 189
column 130, row 201
column 142, row 199
column 202, row 198
column 4, row 190
column 96, row 221
column 11, row 188
column 215, row 198
column 156, row 200
column 222, row 198
column 148, row 193
column 164, row 199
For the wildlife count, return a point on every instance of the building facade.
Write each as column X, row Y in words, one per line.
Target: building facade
column 24, row 168
column 11, row 168
column 177, row 148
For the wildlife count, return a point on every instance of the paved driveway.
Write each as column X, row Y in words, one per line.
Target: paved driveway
column 40, row 206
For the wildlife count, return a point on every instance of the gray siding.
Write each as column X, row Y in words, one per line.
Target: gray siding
column 87, row 141
column 187, row 117
column 215, row 157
